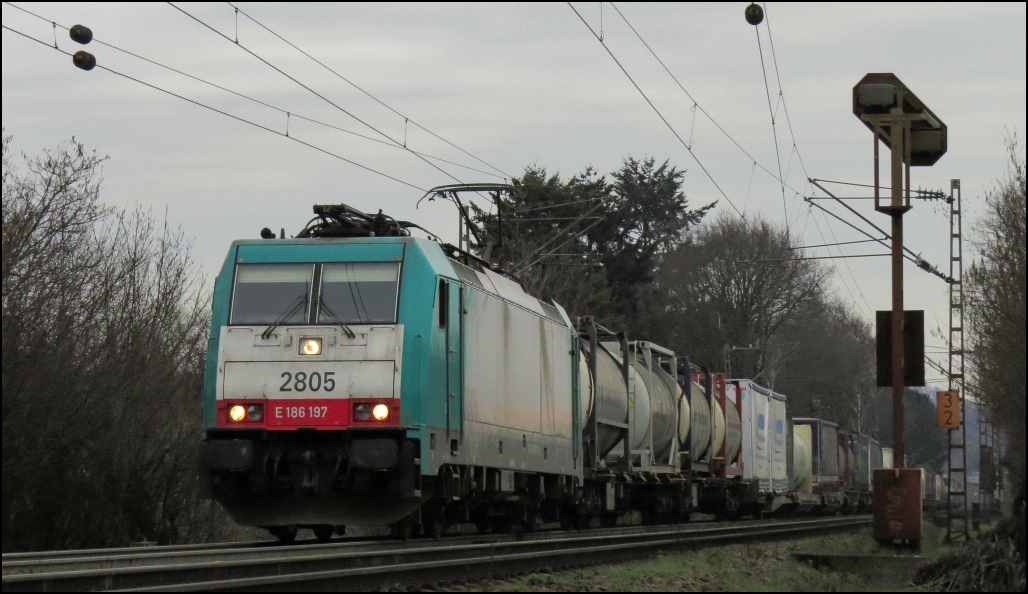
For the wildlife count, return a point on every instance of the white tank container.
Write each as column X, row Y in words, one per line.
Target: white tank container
column 701, row 427
column 608, row 394
column 733, row 433
column 663, row 414
column 801, row 460
column 684, row 418
column 648, row 406
column 719, row 428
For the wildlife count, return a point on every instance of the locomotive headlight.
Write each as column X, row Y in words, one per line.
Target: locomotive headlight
column 310, row 346
column 380, row 412
column 237, row 414
column 362, row 412
column 255, row 412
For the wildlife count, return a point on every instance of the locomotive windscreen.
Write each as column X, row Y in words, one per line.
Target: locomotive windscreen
column 266, row 292
column 359, row 293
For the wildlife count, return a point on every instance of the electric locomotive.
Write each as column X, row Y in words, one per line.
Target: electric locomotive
column 350, row 366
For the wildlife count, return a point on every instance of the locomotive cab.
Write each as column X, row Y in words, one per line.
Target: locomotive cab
column 316, row 372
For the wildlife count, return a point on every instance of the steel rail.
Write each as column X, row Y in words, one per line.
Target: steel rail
column 413, row 563
column 179, row 554
column 17, row 559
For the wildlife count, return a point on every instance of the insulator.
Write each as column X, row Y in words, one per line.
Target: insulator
column 267, row 233
column 84, row 60
column 81, row 34
column 754, row 14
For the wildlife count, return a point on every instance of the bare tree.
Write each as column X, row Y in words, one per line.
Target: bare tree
column 104, row 329
column 996, row 307
column 725, row 292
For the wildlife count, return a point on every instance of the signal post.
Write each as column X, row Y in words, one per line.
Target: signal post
column 915, row 137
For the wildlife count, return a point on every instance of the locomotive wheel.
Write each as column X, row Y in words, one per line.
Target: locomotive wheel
column 482, row 521
column 403, row 530
column 323, row 533
column 284, row 534
column 502, row 525
column 434, row 528
column 531, row 518
column 433, row 521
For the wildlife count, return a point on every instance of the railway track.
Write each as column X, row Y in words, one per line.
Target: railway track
column 375, row 564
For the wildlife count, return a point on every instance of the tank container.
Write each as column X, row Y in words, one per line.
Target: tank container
column 647, row 406
column 719, row 427
column 663, row 411
column 726, row 394
column 701, row 428
column 801, row 460
column 608, row 395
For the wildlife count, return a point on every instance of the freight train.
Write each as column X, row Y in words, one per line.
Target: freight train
column 357, row 375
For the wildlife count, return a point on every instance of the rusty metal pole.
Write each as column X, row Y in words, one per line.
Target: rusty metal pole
column 898, row 135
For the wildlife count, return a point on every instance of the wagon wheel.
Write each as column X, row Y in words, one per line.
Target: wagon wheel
column 284, row 534
column 324, row 532
column 402, row 530
column 434, row 527
column 531, row 519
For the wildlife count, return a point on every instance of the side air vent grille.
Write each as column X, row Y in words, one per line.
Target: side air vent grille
column 467, row 275
column 551, row 312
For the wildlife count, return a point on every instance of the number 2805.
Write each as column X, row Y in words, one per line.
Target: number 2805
column 307, row 382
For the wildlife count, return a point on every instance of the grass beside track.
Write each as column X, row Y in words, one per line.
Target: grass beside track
column 759, row 567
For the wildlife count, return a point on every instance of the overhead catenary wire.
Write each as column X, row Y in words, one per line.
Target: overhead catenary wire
column 406, row 118
column 657, row 111
column 312, row 91
column 825, row 245
column 774, row 129
column 867, row 306
column 756, row 164
column 914, row 256
column 557, row 235
column 781, row 91
column 253, row 99
column 803, row 166
column 224, row 113
column 561, row 244
column 801, row 258
column 549, row 206
column 917, row 260
column 698, row 106
column 799, row 156
column 922, row 193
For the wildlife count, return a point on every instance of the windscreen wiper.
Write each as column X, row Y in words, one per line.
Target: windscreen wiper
column 300, row 302
column 331, row 314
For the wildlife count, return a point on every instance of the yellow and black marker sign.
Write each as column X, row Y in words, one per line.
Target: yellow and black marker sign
column 948, row 409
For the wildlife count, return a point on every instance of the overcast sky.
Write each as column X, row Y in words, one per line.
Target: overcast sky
column 515, row 85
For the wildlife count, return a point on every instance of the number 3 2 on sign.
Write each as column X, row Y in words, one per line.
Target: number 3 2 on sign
column 947, row 409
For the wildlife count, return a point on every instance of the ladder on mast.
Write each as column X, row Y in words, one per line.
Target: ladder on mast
column 956, row 497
